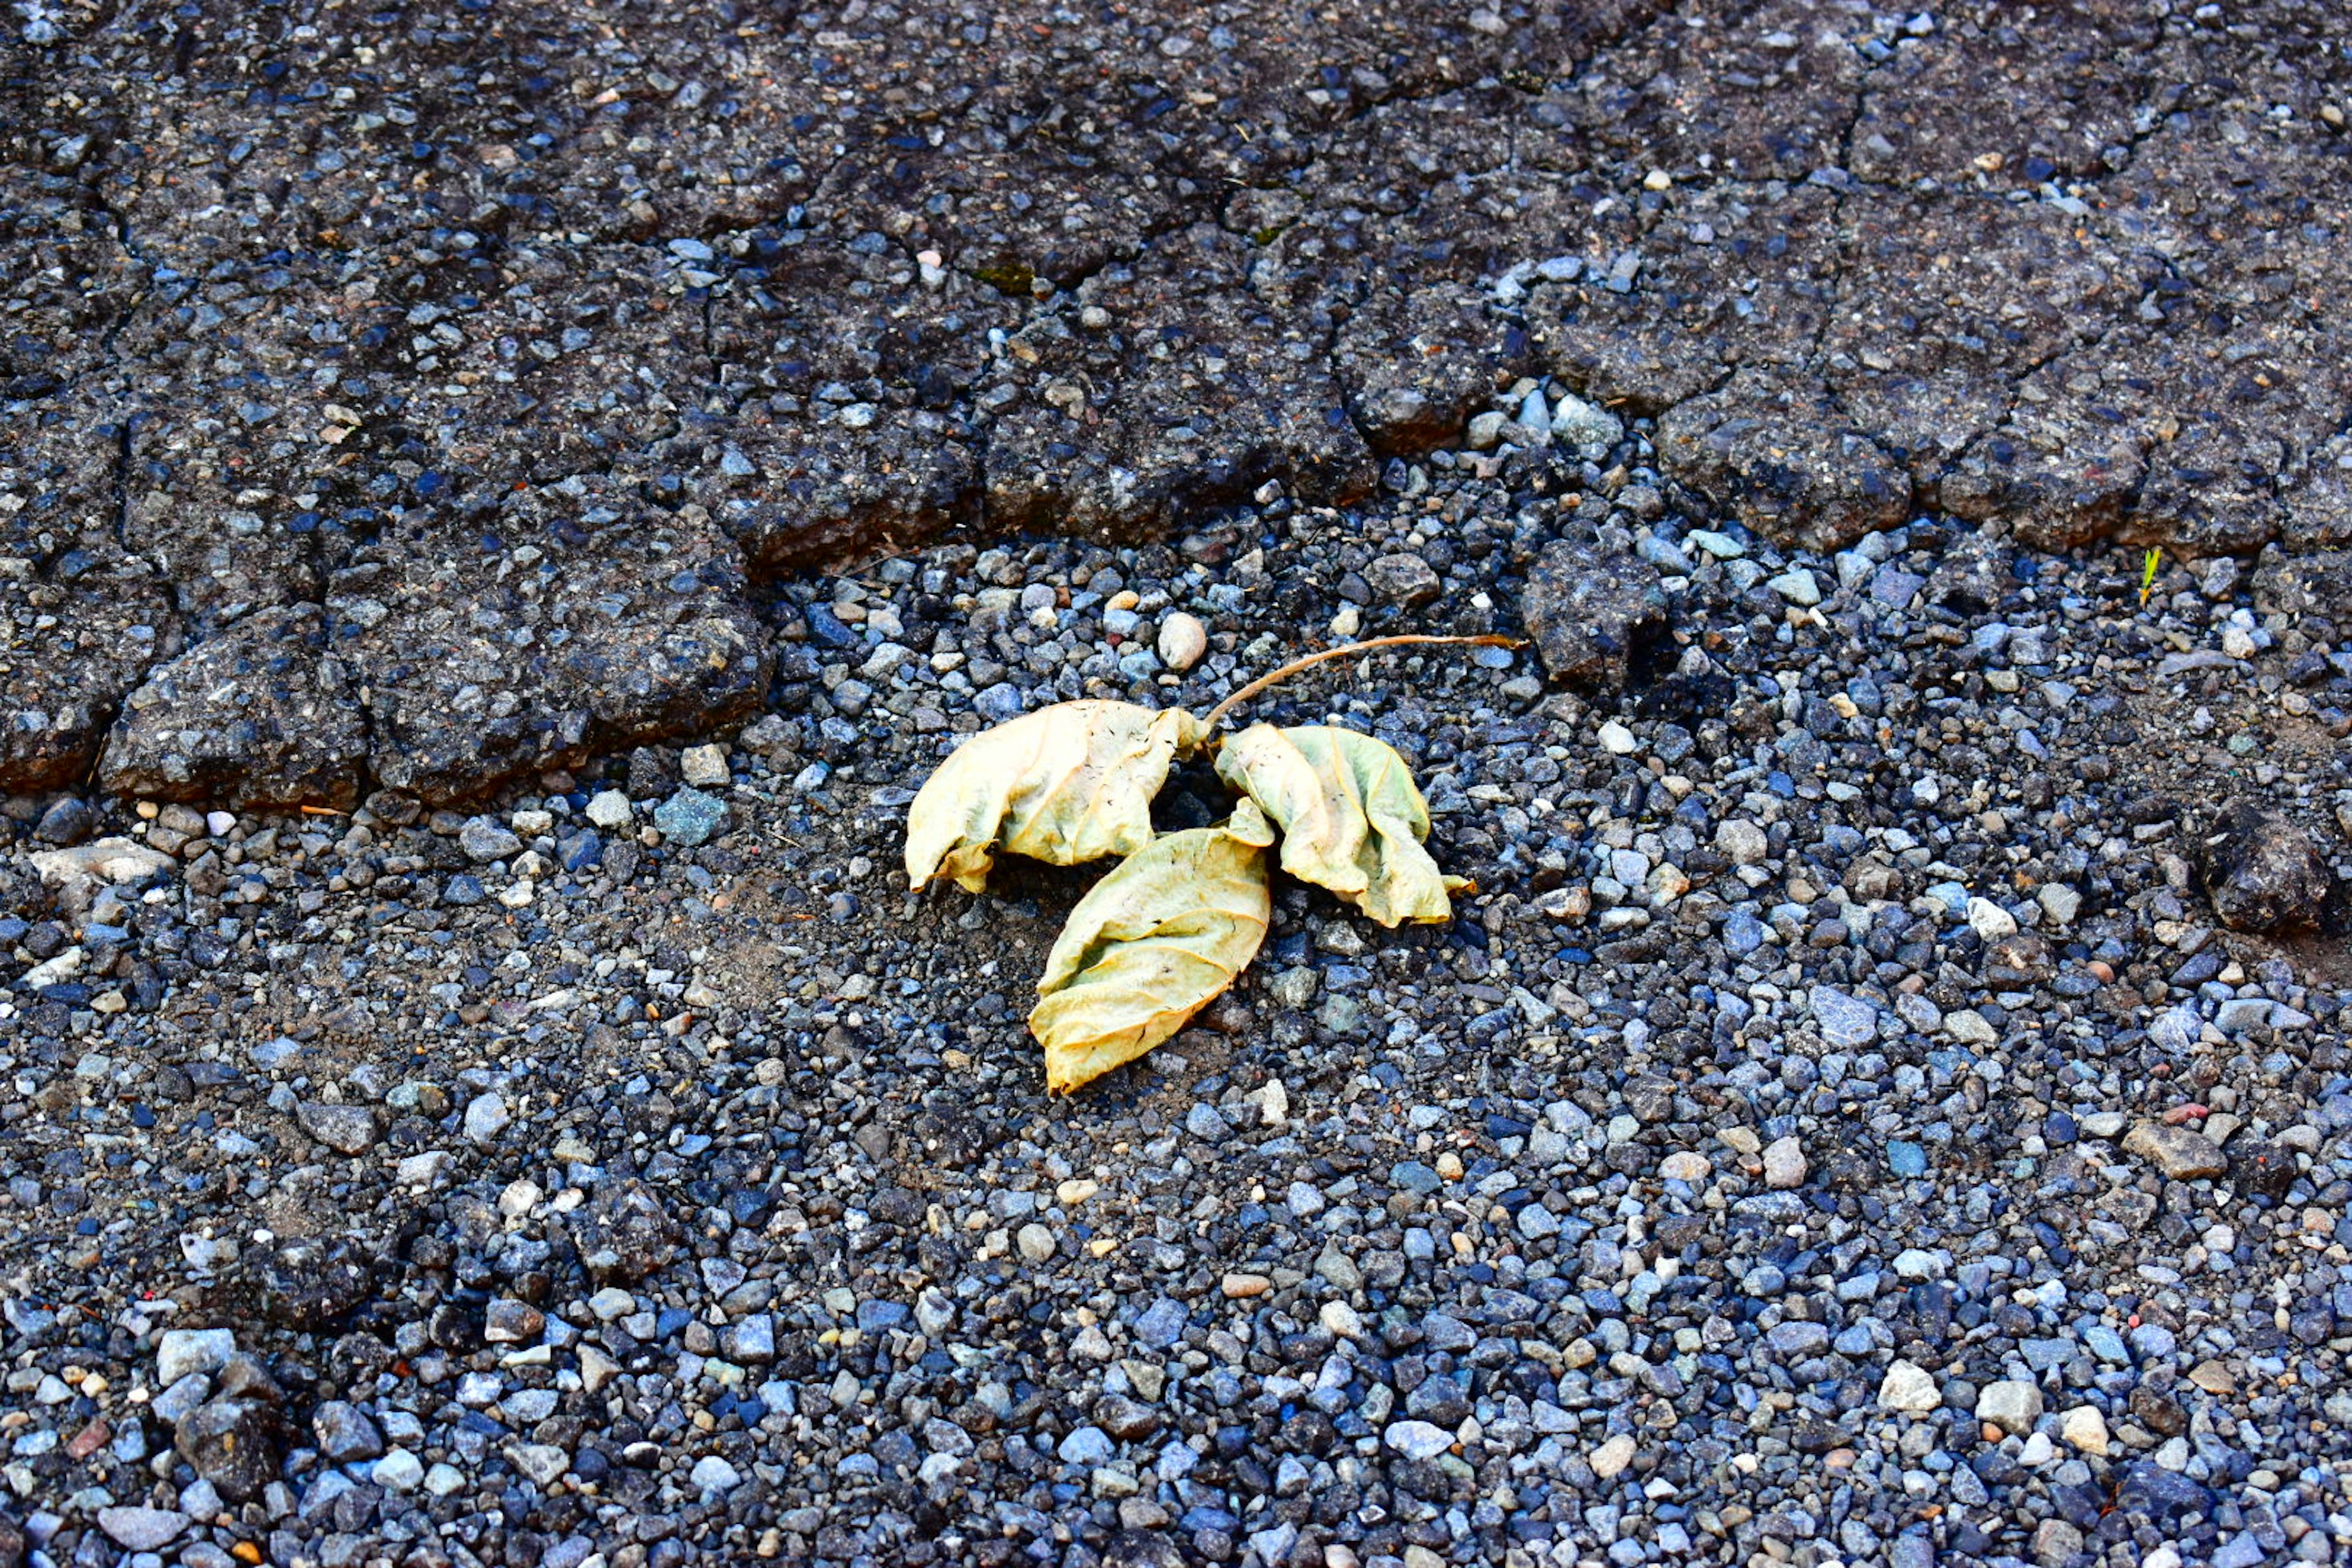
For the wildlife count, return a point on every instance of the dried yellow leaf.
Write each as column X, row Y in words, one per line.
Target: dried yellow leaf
column 1067, row 784
column 1152, row 944
column 1351, row 818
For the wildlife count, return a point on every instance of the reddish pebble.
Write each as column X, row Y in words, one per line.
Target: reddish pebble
column 87, row 1441
column 2180, row 1113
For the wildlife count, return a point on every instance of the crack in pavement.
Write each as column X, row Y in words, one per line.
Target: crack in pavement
column 1565, row 149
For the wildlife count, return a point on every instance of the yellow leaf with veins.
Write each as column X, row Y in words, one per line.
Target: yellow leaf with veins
column 1351, row 818
column 1065, row 785
column 1152, row 944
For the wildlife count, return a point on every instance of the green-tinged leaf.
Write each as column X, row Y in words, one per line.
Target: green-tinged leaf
column 1152, row 944
column 1067, row 784
column 1351, row 818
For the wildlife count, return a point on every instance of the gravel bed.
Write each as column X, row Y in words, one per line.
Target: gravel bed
column 1887, row 1101
column 501, row 507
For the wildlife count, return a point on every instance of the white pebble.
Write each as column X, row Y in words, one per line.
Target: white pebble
column 398, row 1471
column 184, row 1350
column 1910, row 1388
column 1182, row 641
column 1686, row 1166
column 1617, row 741
column 2087, row 1429
column 1990, row 921
column 713, row 1474
column 486, row 1117
column 609, row 809
column 1343, row 1320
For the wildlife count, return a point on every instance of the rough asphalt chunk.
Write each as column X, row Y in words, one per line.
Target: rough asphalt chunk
column 260, row 717
column 1589, row 606
column 625, row 1233
column 484, row 665
column 2262, row 872
column 2182, row 1155
column 231, row 1443
column 1415, row 365
column 1787, row 462
column 1166, row 388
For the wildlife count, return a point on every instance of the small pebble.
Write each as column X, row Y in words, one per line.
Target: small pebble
column 1182, row 641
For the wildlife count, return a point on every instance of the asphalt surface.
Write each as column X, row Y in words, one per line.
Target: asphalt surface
column 348, row 309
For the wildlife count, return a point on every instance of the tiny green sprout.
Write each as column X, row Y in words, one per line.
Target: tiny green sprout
column 2148, row 572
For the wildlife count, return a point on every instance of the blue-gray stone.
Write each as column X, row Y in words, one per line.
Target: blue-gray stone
column 582, row 851
column 1443, row 1332
column 875, row 1316
column 1161, row 1323
column 276, row 1053
column 2238, row 1016
column 1895, row 587
column 1086, row 1446
column 2107, row 1344
column 1797, row 1337
column 1743, row 933
column 1844, row 1020
column 1414, row 1176
column 2043, row 1354
column 690, row 817
column 1906, row 1159
column 1418, row 1439
column 485, row 838
column 1206, row 1121
column 2175, row 1029
column 2241, row 1551
column 753, row 1339
column 829, row 628
column 998, row 702
column 142, row 1528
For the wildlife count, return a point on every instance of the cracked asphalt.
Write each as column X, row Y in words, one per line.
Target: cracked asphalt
column 324, row 310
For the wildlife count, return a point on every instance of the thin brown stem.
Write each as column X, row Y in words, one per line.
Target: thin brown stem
column 1372, row 645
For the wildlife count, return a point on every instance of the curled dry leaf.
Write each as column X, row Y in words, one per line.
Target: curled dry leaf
column 1351, row 818
column 1064, row 784
column 1152, row 944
